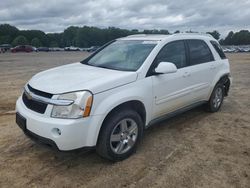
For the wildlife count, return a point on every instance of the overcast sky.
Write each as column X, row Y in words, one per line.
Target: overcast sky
column 196, row 15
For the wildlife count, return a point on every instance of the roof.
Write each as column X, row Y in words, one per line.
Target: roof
column 159, row 37
column 145, row 37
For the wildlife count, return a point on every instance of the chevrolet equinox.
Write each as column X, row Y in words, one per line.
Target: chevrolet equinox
column 107, row 100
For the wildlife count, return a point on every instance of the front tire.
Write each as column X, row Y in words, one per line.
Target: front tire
column 120, row 135
column 216, row 98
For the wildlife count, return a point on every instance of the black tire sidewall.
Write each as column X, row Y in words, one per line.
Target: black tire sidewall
column 109, row 125
column 211, row 106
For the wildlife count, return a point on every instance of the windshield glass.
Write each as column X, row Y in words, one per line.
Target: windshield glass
column 123, row 55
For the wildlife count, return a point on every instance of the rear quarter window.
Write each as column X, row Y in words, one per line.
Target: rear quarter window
column 218, row 49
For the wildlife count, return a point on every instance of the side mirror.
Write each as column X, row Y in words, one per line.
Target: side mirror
column 165, row 68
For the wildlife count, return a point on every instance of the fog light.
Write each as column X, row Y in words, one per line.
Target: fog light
column 56, row 132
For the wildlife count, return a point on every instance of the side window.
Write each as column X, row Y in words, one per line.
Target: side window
column 199, row 52
column 173, row 52
column 218, row 49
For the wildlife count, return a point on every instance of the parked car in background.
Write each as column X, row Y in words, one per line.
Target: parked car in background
column 22, row 48
column 84, row 49
column 43, row 49
column 34, row 49
column 93, row 48
column 236, row 49
column 242, row 49
column 228, row 50
column 5, row 47
column 71, row 48
column 2, row 50
column 56, row 49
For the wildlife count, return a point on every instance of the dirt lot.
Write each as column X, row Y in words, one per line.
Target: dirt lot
column 195, row 149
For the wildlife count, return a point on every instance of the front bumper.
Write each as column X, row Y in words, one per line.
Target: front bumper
column 21, row 122
column 74, row 133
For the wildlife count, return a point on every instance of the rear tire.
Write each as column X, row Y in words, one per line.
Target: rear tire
column 120, row 135
column 216, row 98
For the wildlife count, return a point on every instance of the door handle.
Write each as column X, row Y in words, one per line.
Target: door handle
column 186, row 74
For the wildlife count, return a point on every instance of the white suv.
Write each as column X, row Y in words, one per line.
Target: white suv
column 107, row 100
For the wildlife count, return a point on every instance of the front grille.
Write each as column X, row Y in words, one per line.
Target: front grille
column 33, row 104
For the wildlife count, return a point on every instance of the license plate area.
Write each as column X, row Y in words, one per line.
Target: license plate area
column 21, row 121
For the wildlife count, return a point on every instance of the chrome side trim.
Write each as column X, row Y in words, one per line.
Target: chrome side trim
column 58, row 102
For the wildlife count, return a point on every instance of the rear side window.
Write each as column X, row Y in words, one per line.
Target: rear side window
column 218, row 49
column 199, row 52
column 173, row 52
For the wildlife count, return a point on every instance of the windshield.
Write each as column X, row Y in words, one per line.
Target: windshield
column 122, row 55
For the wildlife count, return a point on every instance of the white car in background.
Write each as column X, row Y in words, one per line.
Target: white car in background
column 107, row 100
column 71, row 48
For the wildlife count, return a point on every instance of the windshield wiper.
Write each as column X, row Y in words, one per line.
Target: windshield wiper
column 101, row 66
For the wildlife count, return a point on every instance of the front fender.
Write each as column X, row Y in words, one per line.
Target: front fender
column 104, row 102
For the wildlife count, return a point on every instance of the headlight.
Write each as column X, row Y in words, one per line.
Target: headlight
column 80, row 108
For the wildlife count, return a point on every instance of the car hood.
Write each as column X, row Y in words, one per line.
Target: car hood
column 77, row 76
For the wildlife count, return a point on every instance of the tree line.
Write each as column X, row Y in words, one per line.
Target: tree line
column 238, row 38
column 92, row 36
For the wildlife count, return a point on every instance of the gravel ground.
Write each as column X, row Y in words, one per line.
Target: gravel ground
column 195, row 149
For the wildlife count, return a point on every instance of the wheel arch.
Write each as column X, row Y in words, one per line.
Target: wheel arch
column 225, row 80
column 136, row 105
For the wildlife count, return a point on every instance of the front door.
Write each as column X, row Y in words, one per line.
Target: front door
column 171, row 91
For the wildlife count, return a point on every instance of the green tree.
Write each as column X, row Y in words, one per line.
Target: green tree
column 238, row 38
column 135, row 31
column 53, row 44
column 36, row 42
column 30, row 34
column 6, row 39
column 69, row 36
column 163, row 31
column 8, row 30
column 228, row 39
column 56, row 39
column 222, row 41
column 241, row 38
column 215, row 34
column 93, row 36
column 20, row 40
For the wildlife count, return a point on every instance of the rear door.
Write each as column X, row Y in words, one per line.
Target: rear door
column 202, row 67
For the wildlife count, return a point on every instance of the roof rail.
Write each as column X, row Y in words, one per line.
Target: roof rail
column 201, row 34
column 137, row 35
column 144, row 35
